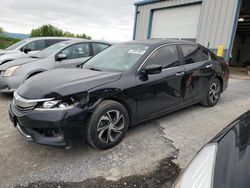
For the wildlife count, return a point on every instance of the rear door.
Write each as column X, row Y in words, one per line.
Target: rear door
column 199, row 70
column 49, row 42
column 161, row 92
column 76, row 54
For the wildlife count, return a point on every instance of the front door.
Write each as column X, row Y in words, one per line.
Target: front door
column 33, row 47
column 159, row 93
column 76, row 55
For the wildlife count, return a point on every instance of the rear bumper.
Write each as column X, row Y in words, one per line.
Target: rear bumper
column 10, row 84
column 55, row 128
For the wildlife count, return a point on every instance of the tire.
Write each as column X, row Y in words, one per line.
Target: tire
column 213, row 93
column 107, row 125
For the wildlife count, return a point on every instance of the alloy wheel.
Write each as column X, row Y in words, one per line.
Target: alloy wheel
column 214, row 92
column 110, row 126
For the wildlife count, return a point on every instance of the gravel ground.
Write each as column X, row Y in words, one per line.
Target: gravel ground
column 136, row 158
column 163, row 176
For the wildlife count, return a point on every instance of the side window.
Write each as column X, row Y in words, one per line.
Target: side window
column 166, row 56
column 194, row 54
column 50, row 42
column 77, row 51
column 98, row 47
column 35, row 45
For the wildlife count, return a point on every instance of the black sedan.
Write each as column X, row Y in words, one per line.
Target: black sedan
column 224, row 161
column 122, row 86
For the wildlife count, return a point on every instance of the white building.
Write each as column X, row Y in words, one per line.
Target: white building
column 208, row 22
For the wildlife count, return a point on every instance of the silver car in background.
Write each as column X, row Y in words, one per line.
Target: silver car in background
column 27, row 47
column 67, row 54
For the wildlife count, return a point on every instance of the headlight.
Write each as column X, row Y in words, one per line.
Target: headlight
column 65, row 103
column 10, row 71
column 50, row 104
column 199, row 172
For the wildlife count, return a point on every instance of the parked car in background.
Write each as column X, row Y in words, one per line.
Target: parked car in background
column 27, row 47
column 224, row 161
column 122, row 86
column 66, row 54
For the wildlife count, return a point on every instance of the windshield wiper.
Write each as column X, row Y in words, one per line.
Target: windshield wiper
column 34, row 56
column 94, row 69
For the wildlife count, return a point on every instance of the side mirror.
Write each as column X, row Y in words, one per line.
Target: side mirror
column 60, row 57
column 26, row 50
column 152, row 69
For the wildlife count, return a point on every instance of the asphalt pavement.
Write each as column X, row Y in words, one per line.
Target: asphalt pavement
column 177, row 135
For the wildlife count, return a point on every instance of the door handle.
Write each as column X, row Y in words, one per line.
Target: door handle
column 179, row 73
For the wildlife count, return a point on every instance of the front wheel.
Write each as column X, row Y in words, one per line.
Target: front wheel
column 108, row 125
column 213, row 93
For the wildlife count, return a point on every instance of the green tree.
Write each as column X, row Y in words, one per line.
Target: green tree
column 1, row 31
column 50, row 30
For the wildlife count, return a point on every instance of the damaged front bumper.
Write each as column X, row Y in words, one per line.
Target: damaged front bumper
column 55, row 128
column 43, row 136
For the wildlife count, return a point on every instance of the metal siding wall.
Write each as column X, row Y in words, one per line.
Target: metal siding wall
column 216, row 22
column 144, row 15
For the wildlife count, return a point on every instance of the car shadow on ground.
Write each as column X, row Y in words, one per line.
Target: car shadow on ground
column 6, row 96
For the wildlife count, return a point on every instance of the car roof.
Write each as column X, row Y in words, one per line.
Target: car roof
column 157, row 42
column 44, row 38
column 78, row 40
column 224, row 132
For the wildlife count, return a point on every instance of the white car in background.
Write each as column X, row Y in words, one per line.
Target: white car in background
column 28, row 47
column 67, row 54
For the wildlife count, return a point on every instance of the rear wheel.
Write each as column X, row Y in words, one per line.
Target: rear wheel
column 108, row 125
column 213, row 93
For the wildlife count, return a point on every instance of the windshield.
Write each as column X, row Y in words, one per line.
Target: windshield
column 50, row 50
column 120, row 57
column 16, row 45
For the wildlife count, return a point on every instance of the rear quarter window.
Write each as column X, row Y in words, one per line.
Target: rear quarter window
column 194, row 54
column 50, row 42
column 98, row 47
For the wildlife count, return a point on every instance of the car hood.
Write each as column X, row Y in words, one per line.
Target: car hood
column 63, row 82
column 3, row 52
column 17, row 62
column 233, row 154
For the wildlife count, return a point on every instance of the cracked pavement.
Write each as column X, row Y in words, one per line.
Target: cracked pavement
column 140, row 152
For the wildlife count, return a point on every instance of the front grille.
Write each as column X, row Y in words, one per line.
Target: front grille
column 19, row 111
column 23, row 110
column 22, row 102
column 23, row 105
